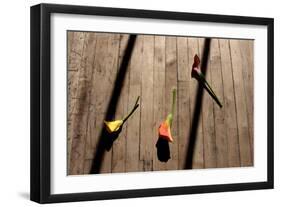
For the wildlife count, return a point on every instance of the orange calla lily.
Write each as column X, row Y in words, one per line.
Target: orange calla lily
column 165, row 132
column 164, row 129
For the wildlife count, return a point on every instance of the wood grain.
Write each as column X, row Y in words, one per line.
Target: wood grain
column 119, row 146
column 158, row 95
column 230, row 120
column 133, row 126
column 241, row 108
column 208, row 116
column 146, row 135
column 246, row 50
column 198, row 158
column 183, row 100
column 157, row 65
column 171, row 84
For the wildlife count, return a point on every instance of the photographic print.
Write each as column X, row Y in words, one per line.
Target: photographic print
column 130, row 103
column 141, row 102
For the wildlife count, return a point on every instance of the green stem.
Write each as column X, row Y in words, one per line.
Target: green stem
column 132, row 111
column 212, row 95
column 137, row 100
column 209, row 88
column 204, row 80
column 174, row 102
column 171, row 114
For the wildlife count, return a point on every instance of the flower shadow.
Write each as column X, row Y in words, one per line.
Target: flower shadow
column 109, row 138
column 163, row 150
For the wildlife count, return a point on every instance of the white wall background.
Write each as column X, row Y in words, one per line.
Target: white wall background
column 14, row 104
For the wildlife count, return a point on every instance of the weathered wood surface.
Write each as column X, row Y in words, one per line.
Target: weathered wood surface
column 158, row 64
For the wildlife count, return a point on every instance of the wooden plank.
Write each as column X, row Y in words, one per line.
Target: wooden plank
column 241, row 110
column 183, row 99
column 198, row 158
column 105, row 68
column 158, row 96
column 88, row 62
column 132, row 163
column 184, row 68
column 78, row 126
column 171, row 83
column 119, row 146
column 72, row 84
column 230, row 120
column 78, row 133
column 70, row 41
column 183, row 121
column 98, row 100
column 209, row 143
column 146, row 137
column 87, row 165
column 182, row 59
column 75, row 41
column 246, row 48
column 219, row 113
column 111, row 66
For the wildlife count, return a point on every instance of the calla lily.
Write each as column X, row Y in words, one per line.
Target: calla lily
column 116, row 125
column 164, row 129
column 113, row 126
column 197, row 74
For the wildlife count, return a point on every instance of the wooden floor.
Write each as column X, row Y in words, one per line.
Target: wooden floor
column 224, row 136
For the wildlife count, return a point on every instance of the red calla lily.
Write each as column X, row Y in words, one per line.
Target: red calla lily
column 197, row 74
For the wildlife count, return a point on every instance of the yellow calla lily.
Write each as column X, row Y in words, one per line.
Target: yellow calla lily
column 113, row 126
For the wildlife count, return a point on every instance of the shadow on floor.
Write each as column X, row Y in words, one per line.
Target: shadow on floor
column 105, row 140
column 197, row 110
column 24, row 195
column 163, row 150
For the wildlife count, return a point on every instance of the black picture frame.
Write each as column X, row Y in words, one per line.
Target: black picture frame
column 41, row 97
